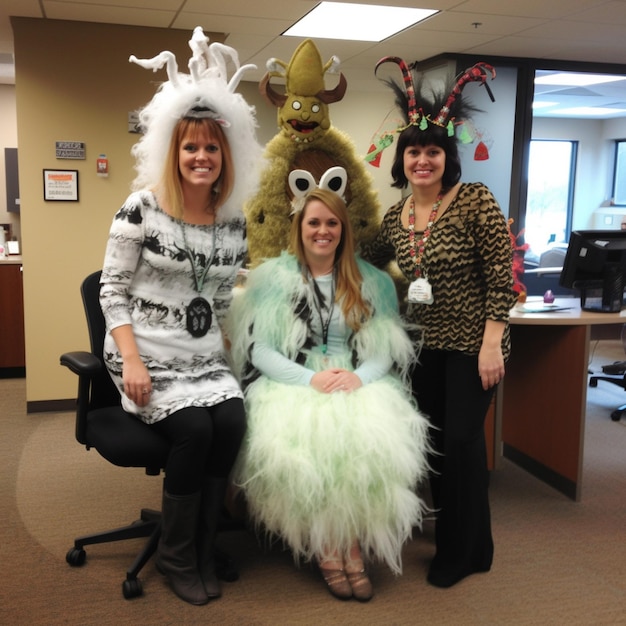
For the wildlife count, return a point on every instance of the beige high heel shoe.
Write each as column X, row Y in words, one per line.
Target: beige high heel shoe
column 359, row 581
column 336, row 579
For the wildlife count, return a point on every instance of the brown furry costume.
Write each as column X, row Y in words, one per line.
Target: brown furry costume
column 306, row 140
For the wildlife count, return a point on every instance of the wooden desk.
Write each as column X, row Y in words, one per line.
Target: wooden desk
column 541, row 403
column 12, row 352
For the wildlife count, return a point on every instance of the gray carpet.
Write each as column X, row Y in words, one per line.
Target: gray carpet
column 556, row 562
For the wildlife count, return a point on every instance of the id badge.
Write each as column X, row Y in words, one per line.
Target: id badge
column 420, row 292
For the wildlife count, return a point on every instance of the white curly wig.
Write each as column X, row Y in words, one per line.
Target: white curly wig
column 205, row 87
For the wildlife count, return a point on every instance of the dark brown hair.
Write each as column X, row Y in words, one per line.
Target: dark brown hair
column 431, row 136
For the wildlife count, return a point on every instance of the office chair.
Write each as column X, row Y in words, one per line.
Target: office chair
column 615, row 373
column 544, row 274
column 121, row 439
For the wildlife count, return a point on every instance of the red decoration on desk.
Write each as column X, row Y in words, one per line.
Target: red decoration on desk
column 519, row 250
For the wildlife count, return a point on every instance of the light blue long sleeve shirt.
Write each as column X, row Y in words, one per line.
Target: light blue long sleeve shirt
column 276, row 366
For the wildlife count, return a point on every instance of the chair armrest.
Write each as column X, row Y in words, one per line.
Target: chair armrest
column 82, row 363
column 87, row 366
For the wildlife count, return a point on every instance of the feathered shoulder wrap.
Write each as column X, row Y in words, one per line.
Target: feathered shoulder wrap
column 272, row 308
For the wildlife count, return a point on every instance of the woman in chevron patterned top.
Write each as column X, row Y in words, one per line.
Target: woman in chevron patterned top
column 451, row 243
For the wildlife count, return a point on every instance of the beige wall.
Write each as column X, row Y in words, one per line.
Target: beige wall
column 74, row 83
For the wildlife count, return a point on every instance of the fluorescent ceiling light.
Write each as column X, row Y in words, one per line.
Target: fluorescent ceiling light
column 590, row 111
column 356, row 22
column 573, row 79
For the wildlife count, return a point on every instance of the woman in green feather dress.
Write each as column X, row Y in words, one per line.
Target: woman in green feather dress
column 336, row 446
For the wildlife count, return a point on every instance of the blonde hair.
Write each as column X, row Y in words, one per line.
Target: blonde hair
column 170, row 186
column 349, row 279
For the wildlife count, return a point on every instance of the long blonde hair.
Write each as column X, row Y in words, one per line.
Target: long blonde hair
column 170, row 186
column 349, row 279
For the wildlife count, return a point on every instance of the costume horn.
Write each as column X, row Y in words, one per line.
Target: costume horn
column 408, row 84
column 475, row 73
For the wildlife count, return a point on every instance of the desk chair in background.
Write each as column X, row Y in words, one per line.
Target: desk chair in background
column 544, row 273
column 121, row 439
column 615, row 373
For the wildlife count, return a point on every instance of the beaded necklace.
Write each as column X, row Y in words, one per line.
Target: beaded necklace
column 417, row 249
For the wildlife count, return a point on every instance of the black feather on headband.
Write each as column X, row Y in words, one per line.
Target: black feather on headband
column 421, row 107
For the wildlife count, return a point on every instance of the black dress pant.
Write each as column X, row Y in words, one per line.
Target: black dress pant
column 448, row 390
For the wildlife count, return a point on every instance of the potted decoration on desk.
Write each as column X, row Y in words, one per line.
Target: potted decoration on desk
column 519, row 250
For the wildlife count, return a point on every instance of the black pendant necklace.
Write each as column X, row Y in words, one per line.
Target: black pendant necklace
column 199, row 315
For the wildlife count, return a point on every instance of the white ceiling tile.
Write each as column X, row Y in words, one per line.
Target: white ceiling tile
column 575, row 30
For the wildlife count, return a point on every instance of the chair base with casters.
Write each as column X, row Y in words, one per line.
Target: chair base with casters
column 149, row 525
column 616, row 415
column 614, row 373
column 620, row 381
column 124, row 441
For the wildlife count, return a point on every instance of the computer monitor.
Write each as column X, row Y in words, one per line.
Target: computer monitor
column 595, row 265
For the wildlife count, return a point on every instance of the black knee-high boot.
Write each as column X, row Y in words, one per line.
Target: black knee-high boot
column 176, row 554
column 211, row 506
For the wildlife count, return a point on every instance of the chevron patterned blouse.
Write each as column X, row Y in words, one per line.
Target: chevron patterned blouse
column 467, row 260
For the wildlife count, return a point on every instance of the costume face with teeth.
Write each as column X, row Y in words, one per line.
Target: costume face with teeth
column 306, row 140
column 303, row 118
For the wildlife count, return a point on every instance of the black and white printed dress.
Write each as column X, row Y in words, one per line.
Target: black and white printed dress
column 148, row 281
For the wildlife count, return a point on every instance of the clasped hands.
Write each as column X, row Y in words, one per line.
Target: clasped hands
column 335, row 379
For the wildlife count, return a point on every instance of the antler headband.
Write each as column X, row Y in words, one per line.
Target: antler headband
column 416, row 116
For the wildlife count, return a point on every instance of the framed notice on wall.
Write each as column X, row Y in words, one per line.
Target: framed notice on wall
column 60, row 185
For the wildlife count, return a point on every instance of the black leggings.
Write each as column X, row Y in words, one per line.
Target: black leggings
column 205, row 442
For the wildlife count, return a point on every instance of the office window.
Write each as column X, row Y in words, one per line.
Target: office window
column 619, row 176
column 551, row 169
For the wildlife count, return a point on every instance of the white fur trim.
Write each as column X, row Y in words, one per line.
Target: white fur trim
column 207, row 85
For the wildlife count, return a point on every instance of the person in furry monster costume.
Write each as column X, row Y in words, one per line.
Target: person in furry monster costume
column 306, row 141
